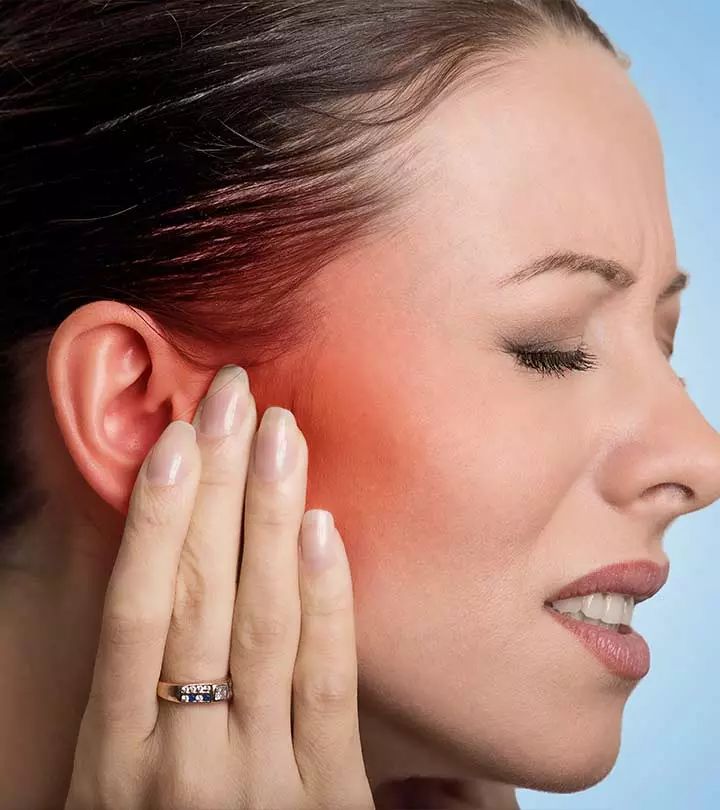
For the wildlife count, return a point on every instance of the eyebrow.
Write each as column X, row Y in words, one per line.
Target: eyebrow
column 615, row 274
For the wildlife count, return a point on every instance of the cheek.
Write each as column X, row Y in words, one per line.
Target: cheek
column 432, row 481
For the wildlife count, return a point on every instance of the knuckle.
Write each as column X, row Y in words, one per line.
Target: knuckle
column 221, row 463
column 179, row 787
column 258, row 633
column 124, row 629
column 325, row 692
column 221, row 478
column 272, row 513
column 156, row 509
column 336, row 604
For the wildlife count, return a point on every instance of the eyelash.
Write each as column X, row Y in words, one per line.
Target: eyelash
column 553, row 362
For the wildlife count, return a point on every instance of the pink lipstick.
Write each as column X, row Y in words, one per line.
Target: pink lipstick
column 623, row 651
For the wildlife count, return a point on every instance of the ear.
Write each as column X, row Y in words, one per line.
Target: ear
column 115, row 385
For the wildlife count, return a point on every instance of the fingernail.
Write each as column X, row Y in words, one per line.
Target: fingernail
column 276, row 446
column 317, row 543
column 168, row 463
column 223, row 409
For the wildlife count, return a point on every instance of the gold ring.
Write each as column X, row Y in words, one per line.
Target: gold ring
column 197, row 692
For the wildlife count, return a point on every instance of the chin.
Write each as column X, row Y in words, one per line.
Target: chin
column 557, row 751
column 568, row 772
column 562, row 764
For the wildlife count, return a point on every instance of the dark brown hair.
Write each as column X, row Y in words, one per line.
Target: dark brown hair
column 201, row 160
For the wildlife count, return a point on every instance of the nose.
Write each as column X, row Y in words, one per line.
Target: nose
column 664, row 460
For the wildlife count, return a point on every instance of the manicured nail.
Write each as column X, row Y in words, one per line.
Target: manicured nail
column 221, row 412
column 168, row 464
column 317, row 541
column 276, row 445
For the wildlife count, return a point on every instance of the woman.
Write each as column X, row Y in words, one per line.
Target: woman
column 438, row 234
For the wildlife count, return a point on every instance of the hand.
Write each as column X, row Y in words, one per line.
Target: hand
column 175, row 611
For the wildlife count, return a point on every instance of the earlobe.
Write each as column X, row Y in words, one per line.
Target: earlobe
column 115, row 385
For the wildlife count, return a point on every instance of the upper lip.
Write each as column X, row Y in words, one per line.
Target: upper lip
column 638, row 578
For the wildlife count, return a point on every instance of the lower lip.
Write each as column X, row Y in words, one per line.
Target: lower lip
column 626, row 655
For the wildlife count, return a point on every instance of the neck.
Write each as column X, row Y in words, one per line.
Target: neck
column 50, row 615
column 406, row 771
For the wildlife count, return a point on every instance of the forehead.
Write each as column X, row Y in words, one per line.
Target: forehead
column 556, row 149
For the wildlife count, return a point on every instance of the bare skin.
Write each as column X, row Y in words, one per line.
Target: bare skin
column 460, row 481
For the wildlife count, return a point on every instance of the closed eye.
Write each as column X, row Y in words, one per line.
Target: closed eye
column 549, row 360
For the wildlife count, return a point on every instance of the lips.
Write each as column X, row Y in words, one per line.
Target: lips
column 626, row 655
column 640, row 579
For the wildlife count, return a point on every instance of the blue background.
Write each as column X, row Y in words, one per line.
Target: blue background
column 670, row 753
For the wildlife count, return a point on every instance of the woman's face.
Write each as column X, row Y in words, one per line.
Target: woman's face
column 468, row 488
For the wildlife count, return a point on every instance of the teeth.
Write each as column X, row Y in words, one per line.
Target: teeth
column 573, row 605
column 614, row 608
column 608, row 609
column 628, row 612
column 593, row 606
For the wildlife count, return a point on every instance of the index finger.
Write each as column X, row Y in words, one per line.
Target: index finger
column 139, row 598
